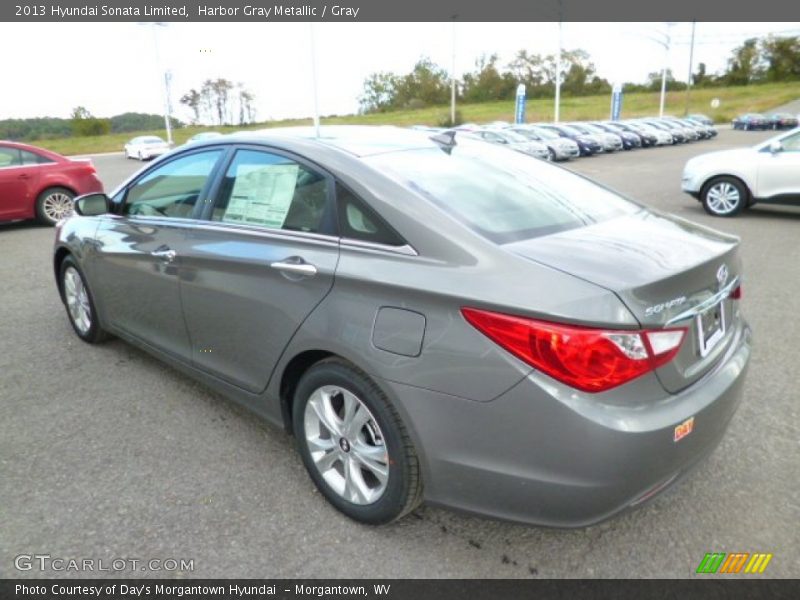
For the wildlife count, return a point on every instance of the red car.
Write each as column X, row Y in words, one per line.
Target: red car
column 37, row 183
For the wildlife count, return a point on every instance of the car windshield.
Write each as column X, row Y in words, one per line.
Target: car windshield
column 547, row 134
column 152, row 140
column 512, row 137
column 581, row 129
column 592, row 128
column 528, row 134
column 502, row 196
column 570, row 130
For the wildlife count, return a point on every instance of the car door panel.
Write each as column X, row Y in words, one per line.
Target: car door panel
column 259, row 265
column 138, row 281
column 241, row 311
column 779, row 172
column 139, row 253
column 16, row 184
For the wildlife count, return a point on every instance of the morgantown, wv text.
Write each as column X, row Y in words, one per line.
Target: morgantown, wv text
column 177, row 591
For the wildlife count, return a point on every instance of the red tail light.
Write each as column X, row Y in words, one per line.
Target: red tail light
column 592, row 360
column 736, row 294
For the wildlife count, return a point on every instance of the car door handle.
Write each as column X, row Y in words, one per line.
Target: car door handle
column 24, row 176
column 295, row 268
column 166, row 254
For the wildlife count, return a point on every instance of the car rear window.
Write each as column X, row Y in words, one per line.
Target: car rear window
column 503, row 195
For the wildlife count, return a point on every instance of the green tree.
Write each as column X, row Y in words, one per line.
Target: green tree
column 380, row 92
column 486, row 82
column 84, row 124
column 781, row 55
column 745, row 66
column 426, row 84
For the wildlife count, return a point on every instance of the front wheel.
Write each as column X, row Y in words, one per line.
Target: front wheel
column 354, row 445
column 54, row 204
column 551, row 155
column 724, row 197
column 79, row 303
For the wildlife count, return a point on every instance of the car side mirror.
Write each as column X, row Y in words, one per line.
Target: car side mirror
column 92, row 205
column 776, row 147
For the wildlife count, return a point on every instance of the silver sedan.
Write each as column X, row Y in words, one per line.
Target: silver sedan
column 433, row 318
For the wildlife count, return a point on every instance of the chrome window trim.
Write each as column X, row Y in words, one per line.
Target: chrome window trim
column 260, row 231
column 405, row 249
column 705, row 304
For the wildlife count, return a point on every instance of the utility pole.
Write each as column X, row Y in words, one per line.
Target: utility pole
column 666, row 44
column 556, row 112
column 167, row 77
column 453, row 75
column 314, row 79
column 691, row 67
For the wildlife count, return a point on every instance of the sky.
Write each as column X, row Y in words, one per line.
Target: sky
column 112, row 68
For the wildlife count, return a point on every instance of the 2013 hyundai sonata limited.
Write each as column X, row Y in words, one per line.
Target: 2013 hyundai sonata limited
column 433, row 318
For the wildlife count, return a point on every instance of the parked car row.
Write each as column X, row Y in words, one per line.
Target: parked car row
column 756, row 121
column 564, row 141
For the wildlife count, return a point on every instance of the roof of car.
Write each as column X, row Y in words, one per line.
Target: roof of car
column 358, row 140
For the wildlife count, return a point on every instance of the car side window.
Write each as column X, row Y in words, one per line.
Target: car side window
column 10, row 157
column 791, row 143
column 273, row 191
column 172, row 189
column 29, row 158
column 359, row 222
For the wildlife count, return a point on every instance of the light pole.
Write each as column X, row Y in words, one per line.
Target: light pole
column 453, row 76
column 557, row 111
column 665, row 41
column 691, row 66
column 166, row 81
column 314, row 79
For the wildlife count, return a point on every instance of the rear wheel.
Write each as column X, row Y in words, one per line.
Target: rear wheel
column 724, row 197
column 54, row 204
column 354, row 444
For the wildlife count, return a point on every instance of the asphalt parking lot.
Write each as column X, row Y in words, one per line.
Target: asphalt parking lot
column 105, row 453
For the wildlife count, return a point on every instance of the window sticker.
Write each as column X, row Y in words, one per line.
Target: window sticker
column 262, row 194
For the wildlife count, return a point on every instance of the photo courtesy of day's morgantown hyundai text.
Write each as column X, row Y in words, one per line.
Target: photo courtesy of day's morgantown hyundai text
column 435, row 319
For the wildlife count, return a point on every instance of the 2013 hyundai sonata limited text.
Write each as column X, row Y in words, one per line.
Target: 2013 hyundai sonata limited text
column 434, row 319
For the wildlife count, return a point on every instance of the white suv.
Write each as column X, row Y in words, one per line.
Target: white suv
column 727, row 182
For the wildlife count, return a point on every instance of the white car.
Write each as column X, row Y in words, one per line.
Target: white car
column 512, row 140
column 729, row 181
column 146, row 147
column 559, row 148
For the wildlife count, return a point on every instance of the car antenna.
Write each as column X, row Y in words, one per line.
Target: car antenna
column 446, row 140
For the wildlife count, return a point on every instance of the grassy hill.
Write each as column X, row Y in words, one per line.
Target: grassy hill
column 733, row 101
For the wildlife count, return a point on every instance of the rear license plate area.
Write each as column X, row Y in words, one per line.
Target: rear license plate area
column 710, row 325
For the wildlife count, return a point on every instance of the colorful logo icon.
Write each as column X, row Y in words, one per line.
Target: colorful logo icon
column 735, row 562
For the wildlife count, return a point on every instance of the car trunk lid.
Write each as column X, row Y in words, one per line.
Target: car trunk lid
column 667, row 271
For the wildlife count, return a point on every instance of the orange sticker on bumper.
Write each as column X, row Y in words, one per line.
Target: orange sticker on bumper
column 684, row 429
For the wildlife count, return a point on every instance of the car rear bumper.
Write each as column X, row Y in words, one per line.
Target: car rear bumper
column 551, row 457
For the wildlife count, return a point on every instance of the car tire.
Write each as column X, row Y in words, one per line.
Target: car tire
column 79, row 303
column 724, row 196
column 551, row 155
column 140, row 157
column 54, row 204
column 384, row 486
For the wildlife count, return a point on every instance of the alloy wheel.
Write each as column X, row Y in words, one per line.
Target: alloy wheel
column 57, row 206
column 346, row 445
column 77, row 297
column 723, row 198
